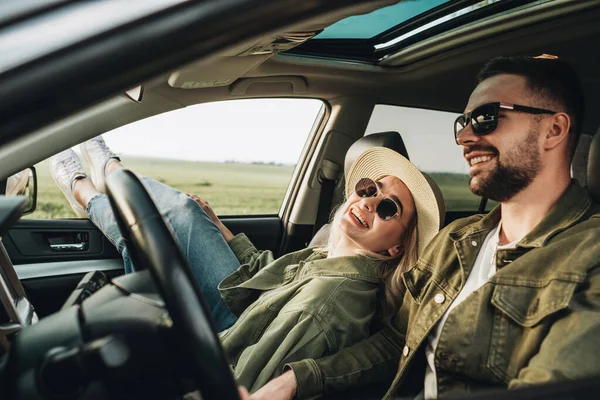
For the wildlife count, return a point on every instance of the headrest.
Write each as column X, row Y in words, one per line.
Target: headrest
column 593, row 169
column 391, row 140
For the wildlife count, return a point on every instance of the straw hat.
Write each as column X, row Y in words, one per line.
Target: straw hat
column 377, row 162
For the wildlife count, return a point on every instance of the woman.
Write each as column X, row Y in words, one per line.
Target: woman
column 304, row 304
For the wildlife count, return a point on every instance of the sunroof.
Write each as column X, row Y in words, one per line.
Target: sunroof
column 371, row 37
column 368, row 25
column 436, row 22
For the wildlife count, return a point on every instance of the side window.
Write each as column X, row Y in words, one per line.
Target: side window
column 429, row 140
column 239, row 155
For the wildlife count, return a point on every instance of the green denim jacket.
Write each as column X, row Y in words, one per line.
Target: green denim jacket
column 537, row 320
column 301, row 305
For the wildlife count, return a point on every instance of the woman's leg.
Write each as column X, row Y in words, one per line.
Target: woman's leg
column 99, row 211
column 209, row 256
column 199, row 238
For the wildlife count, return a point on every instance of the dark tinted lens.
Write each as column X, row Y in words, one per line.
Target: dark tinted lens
column 459, row 125
column 386, row 209
column 484, row 119
column 365, row 188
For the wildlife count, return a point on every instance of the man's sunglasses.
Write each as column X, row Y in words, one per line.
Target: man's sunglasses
column 484, row 119
column 387, row 208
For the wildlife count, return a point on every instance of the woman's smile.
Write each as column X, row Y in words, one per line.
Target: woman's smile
column 358, row 218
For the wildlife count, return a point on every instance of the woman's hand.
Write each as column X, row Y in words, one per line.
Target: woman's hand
column 244, row 395
column 281, row 388
column 211, row 214
column 206, row 207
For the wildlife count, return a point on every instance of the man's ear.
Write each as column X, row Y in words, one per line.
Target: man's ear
column 395, row 251
column 558, row 130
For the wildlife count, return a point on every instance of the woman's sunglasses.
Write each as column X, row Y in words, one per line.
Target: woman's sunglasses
column 484, row 119
column 387, row 208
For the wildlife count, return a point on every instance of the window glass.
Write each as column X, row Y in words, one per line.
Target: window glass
column 368, row 25
column 238, row 155
column 429, row 139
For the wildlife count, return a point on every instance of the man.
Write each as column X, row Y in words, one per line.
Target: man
column 504, row 300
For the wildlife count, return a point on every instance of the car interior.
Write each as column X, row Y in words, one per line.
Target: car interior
column 73, row 325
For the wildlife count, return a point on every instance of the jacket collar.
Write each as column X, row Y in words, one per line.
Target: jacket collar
column 359, row 267
column 567, row 211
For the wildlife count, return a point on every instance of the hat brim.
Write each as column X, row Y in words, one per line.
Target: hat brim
column 377, row 162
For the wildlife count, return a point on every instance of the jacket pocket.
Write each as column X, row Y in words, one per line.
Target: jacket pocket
column 521, row 319
column 417, row 281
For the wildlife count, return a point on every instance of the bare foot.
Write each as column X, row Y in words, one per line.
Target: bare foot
column 112, row 165
column 84, row 190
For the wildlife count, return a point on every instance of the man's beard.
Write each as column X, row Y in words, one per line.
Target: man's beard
column 505, row 181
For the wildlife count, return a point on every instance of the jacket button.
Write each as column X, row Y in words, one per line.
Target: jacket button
column 474, row 243
column 405, row 351
column 439, row 298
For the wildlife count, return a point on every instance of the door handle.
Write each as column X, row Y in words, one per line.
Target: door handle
column 68, row 241
column 69, row 246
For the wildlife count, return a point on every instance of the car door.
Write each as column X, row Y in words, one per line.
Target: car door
column 228, row 153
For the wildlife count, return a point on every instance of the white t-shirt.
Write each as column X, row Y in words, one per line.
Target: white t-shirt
column 483, row 269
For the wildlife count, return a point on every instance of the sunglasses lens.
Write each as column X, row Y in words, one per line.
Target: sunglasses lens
column 387, row 209
column 365, row 188
column 484, row 119
column 459, row 125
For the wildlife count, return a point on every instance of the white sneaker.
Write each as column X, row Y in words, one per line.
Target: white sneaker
column 97, row 155
column 66, row 168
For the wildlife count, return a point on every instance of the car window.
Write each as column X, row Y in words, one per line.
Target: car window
column 429, row 140
column 238, row 155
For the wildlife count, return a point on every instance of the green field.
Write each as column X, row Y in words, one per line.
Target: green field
column 231, row 188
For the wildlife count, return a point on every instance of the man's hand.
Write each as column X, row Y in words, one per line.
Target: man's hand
column 281, row 388
column 211, row 214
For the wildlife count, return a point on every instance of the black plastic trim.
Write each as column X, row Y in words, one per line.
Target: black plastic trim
column 264, row 232
column 24, row 242
column 48, row 294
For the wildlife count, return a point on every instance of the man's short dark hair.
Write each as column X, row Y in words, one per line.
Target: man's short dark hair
column 553, row 80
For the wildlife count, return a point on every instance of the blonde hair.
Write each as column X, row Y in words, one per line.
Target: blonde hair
column 392, row 267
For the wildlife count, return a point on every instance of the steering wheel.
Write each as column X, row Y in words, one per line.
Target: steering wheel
column 151, row 244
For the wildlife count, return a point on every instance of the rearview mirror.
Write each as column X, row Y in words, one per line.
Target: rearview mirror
column 23, row 183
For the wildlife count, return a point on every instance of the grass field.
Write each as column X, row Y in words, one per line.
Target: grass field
column 231, row 188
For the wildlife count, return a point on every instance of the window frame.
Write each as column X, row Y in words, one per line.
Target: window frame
column 295, row 178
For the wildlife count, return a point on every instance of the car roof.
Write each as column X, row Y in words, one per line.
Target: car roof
column 436, row 72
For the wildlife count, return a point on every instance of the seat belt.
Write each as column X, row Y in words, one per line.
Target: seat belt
column 482, row 205
column 328, row 175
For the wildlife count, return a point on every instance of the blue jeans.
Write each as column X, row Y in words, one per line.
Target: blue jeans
column 208, row 254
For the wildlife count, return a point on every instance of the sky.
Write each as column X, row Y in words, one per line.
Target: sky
column 276, row 130
column 268, row 130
